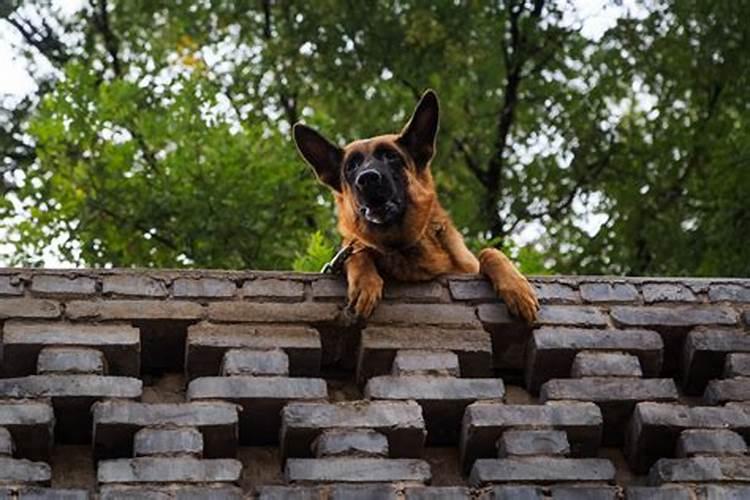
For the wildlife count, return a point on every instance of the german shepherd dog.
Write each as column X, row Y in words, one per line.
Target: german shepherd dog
column 389, row 213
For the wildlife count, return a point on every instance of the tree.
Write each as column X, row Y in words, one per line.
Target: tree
column 163, row 104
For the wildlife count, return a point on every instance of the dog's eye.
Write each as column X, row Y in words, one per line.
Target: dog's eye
column 353, row 162
column 389, row 155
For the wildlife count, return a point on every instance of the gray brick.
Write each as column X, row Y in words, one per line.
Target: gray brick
column 533, row 442
column 363, row 492
column 700, row 470
column 542, row 470
column 608, row 292
column 168, row 470
column 585, row 316
column 209, row 288
column 552, row 350
column 655, row 427
column 446, row 315
column 658, row 493
column 31, row 424
column 605, row 364
column 75, row 360
column 717, row 442
column 70, row 386
column 29, row 308
column 133, row 285
column 23, row 342
column 14, row 470
column 516, row 493
column 270, row 312
column 437, row 493
column 678, row 316
column 705, row 353
column 170, row 492
column 737, row 365
column 584, row 493
column 116, row 422
column 276, row 289
column 289, row 493
column 425, row 292
column 261, row 398
column 729, row 293
column 556, row 293
column 484, row 423
column 423, row 362
column 379, row 345
column 133, row 309
column 443, row 399
column 667, row 292
column 6, row 442
column 207, row 343
column 351, row 442
column 168, row 442
column 329, row 289
column 723, row 391
column 10, row 285
column 356, row 470
column 474, row 290
column 36, row 493
column 401, row 422
column 57, row 284
column 509, row 335
column 715, row 492
column 255, row 362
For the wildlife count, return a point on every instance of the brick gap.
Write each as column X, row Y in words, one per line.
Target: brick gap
column 73, row 467
column 162, row 345
column 340, row 349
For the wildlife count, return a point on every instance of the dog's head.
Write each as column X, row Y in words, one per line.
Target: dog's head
column 378, row 179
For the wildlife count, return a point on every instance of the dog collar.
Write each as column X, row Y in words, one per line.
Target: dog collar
column 336, row 265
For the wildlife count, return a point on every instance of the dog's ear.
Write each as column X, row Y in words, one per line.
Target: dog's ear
column 324, row 157
column 418, row 136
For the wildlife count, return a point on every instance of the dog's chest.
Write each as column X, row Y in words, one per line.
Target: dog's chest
column 420, row 262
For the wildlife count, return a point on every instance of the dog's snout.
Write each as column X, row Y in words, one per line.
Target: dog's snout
column 369, row 179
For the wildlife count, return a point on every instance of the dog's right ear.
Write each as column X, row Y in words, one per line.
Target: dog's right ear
column 322, row 155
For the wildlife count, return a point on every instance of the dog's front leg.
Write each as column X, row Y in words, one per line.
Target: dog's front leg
column 509, row 283
column 365, row 284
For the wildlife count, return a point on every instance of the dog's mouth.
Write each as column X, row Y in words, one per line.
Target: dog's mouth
column 381, row 214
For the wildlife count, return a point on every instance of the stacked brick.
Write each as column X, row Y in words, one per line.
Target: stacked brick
column 624, row 389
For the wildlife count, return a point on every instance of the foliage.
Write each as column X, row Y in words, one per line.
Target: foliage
column 163, row 140
column 319, row 251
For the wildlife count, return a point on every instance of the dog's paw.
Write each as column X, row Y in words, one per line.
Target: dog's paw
column 512, row 286
column 364, row 294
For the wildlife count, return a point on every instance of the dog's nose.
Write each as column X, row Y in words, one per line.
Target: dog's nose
column 368, row 179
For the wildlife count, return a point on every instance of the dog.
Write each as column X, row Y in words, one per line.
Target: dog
column 390, row 216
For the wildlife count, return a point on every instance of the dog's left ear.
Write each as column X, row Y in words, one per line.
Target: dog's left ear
column 418, row 136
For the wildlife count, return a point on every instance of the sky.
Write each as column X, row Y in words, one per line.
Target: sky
column 595, row 16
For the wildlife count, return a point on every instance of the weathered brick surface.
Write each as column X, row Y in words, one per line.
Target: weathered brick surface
column 356, row 470
column 55, row 284
column 6, row 442
column 714, row 492
column 329, row 289
column 207, row 343
column 541, row 470
column 722, row 391
column 605, row 364
column 289, row 493
column 667, row 292
column 209, row 288
column 737, row 365
column 552, row 350
column 671, row 492
column 133, row 285
column 580, row 492
column 133, row 310
column 116, row 422
column 585, row 316
column 451, row 315
column 423, row 362
column 73, row 360
column 701, row 470
column 608, row 292
column 22, row 342
column 38, row 493
column 532, row 443
column 400, row 422
column 271, row 312
column 351, row 442
column 414, row 292
column 168, row 442
column 718, row 442
column 31, row 426
column 180, row 492
column 70, row 387
column 516, row 493
column 168, row 470
column 679, row 316
column 261, row 398
column 276, row 289
column 473, row 290
column 729, row 293
column 10, row 286
column 255, row 362
column 484, row 423
column 379, row 346
column 29, row 308
column 363, row 492
column 16, row 471
column 705, row 353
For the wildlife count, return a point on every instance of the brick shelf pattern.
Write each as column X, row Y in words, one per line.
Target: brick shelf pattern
column 625, row 388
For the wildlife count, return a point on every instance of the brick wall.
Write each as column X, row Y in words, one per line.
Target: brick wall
column 195, row 384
